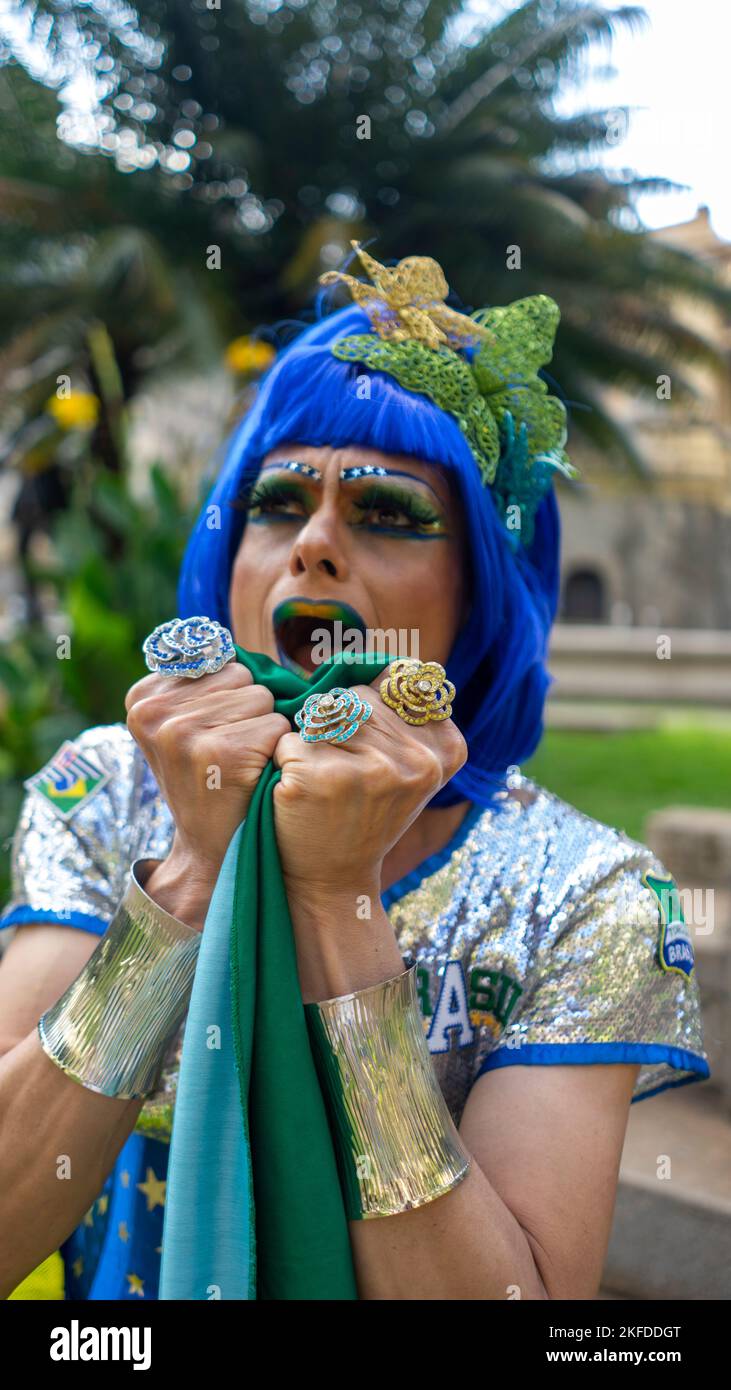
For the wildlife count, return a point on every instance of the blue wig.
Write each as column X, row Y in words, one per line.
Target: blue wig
column 498, row 662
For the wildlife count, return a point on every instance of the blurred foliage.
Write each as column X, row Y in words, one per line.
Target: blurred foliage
column 114, row 573
column 89, row 297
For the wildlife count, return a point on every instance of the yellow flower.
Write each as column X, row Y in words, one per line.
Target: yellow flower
column 249, row 355
column 77, row 411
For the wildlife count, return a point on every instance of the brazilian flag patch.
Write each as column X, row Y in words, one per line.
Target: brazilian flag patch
column 674, row 947
column 69, row 780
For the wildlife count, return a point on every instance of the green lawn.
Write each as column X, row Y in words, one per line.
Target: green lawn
column 620, row 777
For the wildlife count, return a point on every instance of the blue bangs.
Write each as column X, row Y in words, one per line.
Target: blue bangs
column 498, row 663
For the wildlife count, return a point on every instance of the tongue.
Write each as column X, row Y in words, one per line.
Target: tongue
column 298, row 641
column 303, row 656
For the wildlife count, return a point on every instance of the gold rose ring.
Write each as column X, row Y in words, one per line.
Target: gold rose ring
column 418, row 691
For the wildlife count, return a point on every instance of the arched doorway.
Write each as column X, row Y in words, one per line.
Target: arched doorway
column 584, row 597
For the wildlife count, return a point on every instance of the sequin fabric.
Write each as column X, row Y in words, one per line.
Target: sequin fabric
column 536, row 940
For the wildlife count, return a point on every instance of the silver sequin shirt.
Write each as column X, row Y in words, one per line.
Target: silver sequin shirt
column 535, row 937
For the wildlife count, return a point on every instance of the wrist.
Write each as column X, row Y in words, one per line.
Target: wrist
column 322, row 905
column 343, row 937
column 181, row 885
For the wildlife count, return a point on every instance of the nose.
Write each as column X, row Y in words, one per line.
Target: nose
column 319, row 547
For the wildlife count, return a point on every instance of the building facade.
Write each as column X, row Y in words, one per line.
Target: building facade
column 657, row 554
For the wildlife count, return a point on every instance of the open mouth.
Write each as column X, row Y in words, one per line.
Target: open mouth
column 308, row 631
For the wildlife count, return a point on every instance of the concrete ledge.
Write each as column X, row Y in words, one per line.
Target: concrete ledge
column 671, row 1238
column 622, row 663
column 668, row 1246
column 606, row 639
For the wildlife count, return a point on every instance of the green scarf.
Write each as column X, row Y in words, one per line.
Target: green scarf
column 294, row 1234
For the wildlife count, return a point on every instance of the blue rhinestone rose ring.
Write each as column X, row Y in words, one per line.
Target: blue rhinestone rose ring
column 333, row 716
column 191, row 647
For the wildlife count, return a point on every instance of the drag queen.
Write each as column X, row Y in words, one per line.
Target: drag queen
column 310, row 994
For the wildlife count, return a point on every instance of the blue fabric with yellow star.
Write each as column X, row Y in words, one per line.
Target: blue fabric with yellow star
column 115, row 1252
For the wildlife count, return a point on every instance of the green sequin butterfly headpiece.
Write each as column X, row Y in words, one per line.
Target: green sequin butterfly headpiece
column 515, row 430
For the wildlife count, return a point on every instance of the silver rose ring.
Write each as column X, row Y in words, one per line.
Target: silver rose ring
column 190, row 647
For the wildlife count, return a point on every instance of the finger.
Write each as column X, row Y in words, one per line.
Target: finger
column 263, row 733
column 180, row 690
column 325, row 756
column 407, row 759
column 290, row 748
column 393, row 725
column 147, row 717
column 233, row 675
column 385, row 727
column 224, row 708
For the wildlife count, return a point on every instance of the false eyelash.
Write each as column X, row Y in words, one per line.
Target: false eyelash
column 282, row 490
column 273, row 492
column 240, row 503
column 263, row 490
column 415, row 508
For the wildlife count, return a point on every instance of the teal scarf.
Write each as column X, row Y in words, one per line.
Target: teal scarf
column 254, row 1207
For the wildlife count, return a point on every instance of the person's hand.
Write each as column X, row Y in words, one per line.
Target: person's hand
column 207, row 742
column 339, row 808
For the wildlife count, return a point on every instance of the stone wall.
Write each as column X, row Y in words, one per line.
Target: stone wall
column 663, row 562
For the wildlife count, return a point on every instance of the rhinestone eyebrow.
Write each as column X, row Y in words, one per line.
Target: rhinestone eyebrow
column 295, row 466
column 367, row 470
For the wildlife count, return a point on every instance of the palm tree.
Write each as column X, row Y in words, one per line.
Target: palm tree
column 79, row 266
column 89, row 300
column 276, row 134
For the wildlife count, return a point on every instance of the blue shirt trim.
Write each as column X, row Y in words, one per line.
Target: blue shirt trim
column 412, row 880
column 572, row 1054
column 84, row 921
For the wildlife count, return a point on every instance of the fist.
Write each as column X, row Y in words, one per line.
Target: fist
column 339, row 808
column 207, row 742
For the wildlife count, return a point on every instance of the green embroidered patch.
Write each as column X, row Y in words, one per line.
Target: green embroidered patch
column 674, row 947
